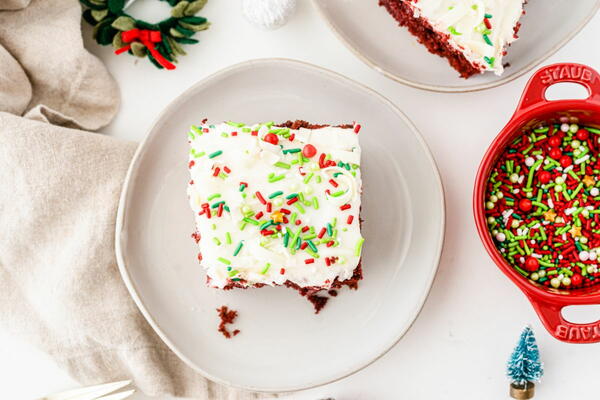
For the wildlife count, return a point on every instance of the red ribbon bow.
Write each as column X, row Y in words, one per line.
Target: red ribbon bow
column 147, row 38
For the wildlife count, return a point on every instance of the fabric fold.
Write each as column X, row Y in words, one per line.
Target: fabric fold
column 61, row 289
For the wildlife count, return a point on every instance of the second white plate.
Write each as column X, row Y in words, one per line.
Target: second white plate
column 375, row 37
column 283, row 345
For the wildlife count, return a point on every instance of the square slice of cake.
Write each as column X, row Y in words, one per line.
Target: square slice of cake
column 277, row 204
column 472, row 34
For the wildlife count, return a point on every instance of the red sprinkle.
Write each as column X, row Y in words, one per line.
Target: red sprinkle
column 191, row 164
column 356, row 128
column 333, row 183
column 217, row 170
column 260, row 198
column 298, row 222
column 303, row 246
column 269, row 207
column 254, row 133
column 345, row 207
column 350, row 219
column 234, row 133
column 309, row 151
column 487, row 23
column 282, row 271
column 322, row 233
column 285, row 211
column 292, row 201
column 271, row 138
column 220, row 210
column 259, row 215
column 309, row 261
column 226, row 169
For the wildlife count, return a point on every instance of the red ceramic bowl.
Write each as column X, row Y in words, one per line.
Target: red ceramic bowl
column 533, row 108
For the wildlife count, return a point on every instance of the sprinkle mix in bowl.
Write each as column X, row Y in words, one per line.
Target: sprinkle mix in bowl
column 543, row 205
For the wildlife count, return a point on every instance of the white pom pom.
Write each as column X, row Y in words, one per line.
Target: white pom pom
column 268, row 14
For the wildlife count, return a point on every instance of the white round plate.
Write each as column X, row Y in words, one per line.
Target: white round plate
column 283, row 345
column 375, row 37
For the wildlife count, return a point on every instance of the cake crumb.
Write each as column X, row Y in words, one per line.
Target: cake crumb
column 227, row 317
column 318, row 302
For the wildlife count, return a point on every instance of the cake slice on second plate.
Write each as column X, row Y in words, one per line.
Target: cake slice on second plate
column 472, row 34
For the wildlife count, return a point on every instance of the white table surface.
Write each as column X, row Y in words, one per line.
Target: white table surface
column 459, row 345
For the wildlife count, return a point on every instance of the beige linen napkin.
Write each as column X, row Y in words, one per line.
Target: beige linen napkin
column 59, row 187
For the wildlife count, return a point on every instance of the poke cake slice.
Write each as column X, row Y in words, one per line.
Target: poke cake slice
column 472, row 34
column 277, row 204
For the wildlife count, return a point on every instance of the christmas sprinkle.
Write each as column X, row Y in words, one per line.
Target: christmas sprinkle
column 543, row 205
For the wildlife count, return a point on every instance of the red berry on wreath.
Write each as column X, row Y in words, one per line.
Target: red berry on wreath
column 555, row 141
column 544, row 176
column 565, row 161
column 525, row 205
column 271, row 138
column 582, row 134
column 555, row 153
column 576, row 279
column 531, row 264
column 309, row 151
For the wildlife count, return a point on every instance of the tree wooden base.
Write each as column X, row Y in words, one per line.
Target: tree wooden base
column 522, row 392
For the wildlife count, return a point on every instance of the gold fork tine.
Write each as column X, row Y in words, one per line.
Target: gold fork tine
column 88, row 393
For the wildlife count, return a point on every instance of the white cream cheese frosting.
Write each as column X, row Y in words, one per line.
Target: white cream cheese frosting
column 265, row 213
column 480, row 29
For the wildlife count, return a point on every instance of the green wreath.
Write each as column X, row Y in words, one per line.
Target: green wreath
column 160, row 42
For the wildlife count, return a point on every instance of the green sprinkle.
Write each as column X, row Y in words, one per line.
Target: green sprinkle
column 292, row 151
column 312, row 245
column 358, row 247
column 233, row 273
column 213, row 196
column 276, row 178
column 275, row 194
column 215, row 205
column 250, row 221
column 281, row 164
column 487, row 39
column 294, row 216
column 329, row 229
column 242, row 187
column 265, row 269
column 235, row 124
column 338, row 193
column 224, row 260
column 453, row 30
column 291, row 196
column 315, row 202
column 227, row 237
column 286, row 238
column 238, row 248
column 300, row 208
column 312, row 252
column 266, row 225
column 488, row 16
column 490, row 60
column 215, row 154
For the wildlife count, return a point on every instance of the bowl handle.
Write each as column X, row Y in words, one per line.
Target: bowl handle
column 560, row 328
column 534, row 93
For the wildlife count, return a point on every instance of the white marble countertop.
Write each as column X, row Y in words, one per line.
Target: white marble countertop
column 458, row 346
